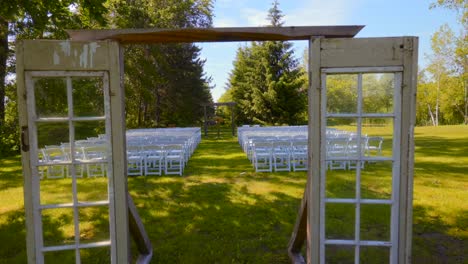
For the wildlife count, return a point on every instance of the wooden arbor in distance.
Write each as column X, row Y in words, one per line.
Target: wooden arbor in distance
column 205, row 116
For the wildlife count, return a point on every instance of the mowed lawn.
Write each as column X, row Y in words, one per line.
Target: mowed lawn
column 221, row 211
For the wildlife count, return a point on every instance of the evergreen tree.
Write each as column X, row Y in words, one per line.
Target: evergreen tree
column 266, row 81
column 165, row 83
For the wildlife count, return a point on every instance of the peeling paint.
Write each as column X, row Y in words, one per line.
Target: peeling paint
column 56, row 58
column 92, row 49
column 65, row 45
column 84, row 56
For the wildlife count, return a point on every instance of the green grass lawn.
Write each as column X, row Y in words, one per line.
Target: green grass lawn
column 221, row 211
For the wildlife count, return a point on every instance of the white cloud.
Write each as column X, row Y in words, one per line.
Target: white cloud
column 254, row 17
column 225, row 22
column 320, row 12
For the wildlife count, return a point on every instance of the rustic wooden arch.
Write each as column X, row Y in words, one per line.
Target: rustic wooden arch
column 205, row 116
column 329, row 47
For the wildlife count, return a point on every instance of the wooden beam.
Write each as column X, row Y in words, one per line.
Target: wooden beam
column 214, row 34
column 299, row 233
column 138, row 233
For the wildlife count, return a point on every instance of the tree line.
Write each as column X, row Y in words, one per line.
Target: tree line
column 269, row 86
column 165, row 84
column 443, row 84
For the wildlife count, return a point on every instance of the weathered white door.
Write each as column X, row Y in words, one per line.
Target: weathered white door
column 362, row 110
column 71, row 116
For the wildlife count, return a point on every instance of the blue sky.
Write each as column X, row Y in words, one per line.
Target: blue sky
column 381, row 18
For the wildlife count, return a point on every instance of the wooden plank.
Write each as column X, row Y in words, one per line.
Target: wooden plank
column 25, row 159
column 118, row 181
column 362, row 52
column 314, row 142
column 214, row 34
column 299, row 233
column 408, row 119
column 138, row 233
column 65, row 55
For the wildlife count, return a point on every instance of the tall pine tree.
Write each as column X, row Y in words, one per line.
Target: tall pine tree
column 165, row 84
column 266, row 81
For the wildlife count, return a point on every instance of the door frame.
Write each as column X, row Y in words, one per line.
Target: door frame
column 355, row 53
column 69, row 56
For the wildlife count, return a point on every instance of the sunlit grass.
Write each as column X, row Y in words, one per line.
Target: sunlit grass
column 222, row 211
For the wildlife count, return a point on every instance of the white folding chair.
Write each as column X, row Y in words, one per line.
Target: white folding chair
column 153, row 159
column 95, row 157
column 135, row 159
column 352, row 152
column 374, row 146
column 174, row 159
column 262, row 156
column 282, row 155
column 299, row 155
column 336, row 149
column 54, row 154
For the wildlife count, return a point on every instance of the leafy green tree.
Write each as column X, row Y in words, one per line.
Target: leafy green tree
column 440, row 62
column 41, row 19
column 266, row 82
column 29, row 20
column 459, row 98
column 165, row 83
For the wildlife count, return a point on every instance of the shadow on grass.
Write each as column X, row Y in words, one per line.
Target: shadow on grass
column 431, row 241
column 204, row 223
column 211, row 216
column 57, row 230
column 434, row 146
column 10, row 172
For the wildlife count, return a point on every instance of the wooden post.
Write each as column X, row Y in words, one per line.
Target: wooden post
column 314, row 146
column 119, row 160
column 408, row 119
column 204, row 121
column 232, row 120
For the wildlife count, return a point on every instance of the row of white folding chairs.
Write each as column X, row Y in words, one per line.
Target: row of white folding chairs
column 244, row 132
column 341, row 152
column 248, row 143
column 169, row 158
column 56, row 161
column 189, row 143
column 267, row 156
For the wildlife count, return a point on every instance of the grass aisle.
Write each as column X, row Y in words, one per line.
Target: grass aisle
column 221, row 211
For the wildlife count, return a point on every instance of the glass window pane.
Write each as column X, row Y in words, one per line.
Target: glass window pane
column 339, row 221
column 90, row 131
column 92, row 189
column 51, row 97
column 374, row 255
column 52, row 134
column 377, row 92
column 59, row 257
column 94, row 224
column 379, row 135
column 342, row 93
column 375, row 222
column 340, row 183
column 58, row 226
column 376, row 180
column 88, row 96
column 56, row 186
column 339, row 254
column 101, row 255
